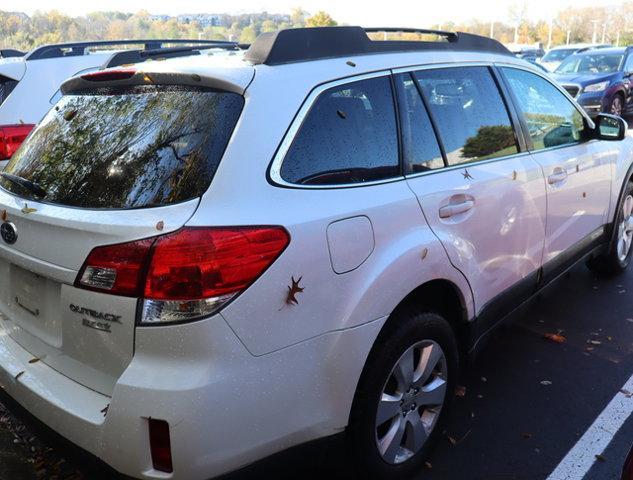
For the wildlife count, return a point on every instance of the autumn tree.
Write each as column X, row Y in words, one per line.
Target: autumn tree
column 320, row 19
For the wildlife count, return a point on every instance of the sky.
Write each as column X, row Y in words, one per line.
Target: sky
column 418, row 13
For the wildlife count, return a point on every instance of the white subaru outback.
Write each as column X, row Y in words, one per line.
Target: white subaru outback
column 207, row 261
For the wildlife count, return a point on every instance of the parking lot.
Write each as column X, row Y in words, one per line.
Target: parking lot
column 525, row 403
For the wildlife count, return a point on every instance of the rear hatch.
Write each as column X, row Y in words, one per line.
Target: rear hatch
column 107, row 165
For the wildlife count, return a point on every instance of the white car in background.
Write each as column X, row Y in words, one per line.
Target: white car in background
column 208, row 260
column 29, row 82
column 554, row 57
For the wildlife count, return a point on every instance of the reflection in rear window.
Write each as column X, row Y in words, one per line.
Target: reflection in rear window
column 127, row 148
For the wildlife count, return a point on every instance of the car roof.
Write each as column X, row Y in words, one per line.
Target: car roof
column 610, row 50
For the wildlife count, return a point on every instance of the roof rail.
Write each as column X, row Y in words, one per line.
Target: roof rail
column 10, row 52
column 79, row 48
column 138, row 56
column 304, row 44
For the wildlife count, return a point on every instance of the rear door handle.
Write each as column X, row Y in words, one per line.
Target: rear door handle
column 456, row 208
column 559, row 176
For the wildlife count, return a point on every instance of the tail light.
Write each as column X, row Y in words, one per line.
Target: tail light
column 160, row 445
column 11, row 137
column 187, row 274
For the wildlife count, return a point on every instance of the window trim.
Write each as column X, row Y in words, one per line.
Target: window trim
column 529, row 143
column 274, row 171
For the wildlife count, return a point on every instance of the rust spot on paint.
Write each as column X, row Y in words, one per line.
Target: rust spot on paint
column 3, row 215
column 293, row 290
column 160, row 225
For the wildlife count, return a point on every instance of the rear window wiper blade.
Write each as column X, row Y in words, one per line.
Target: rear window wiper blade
column 32, row 187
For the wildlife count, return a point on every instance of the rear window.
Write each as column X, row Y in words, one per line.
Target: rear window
column 127, row 148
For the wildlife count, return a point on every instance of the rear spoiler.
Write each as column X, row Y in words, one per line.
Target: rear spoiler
column 128, row 77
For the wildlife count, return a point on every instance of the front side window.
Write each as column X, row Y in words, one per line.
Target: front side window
column 552, row 120
column 471, row 117
column 348, row 136
column 126, row 148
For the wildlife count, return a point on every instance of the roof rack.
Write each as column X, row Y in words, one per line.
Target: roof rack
column 138, row 56
column 79, row 48
column 10, row 52
column 304, row 44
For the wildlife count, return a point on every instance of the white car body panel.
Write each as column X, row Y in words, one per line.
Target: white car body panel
column 284, row 374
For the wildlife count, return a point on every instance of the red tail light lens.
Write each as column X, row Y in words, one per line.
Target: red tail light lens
column 11, row 137
column 185, row 274
column 109, row 75
column 160, row 445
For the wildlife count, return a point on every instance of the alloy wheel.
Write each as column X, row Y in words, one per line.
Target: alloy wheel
column 411, row 401
column 625, row 229
column 616, row 106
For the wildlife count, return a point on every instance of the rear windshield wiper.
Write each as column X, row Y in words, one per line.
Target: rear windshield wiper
column 32, row 187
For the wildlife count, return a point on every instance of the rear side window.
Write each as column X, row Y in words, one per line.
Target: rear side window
column 470, row 114
column 6, row 87
column 127, row 148
column 552, row 120
column 348, row 136
column 420, row 149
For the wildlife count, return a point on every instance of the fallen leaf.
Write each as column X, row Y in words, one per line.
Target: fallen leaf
column 626, row 393
column 590, row 349
column 480, row 396
column 34, row 360
column 19, row 374
column 630, row 320
column 160, row 225
column 4, row 215
column 622, row 291
column 600, row 458
column 610, row 339
column 69, row 115
column 452, row 441
column 291, row 298
column 595, row 342
column 484, row 379
column 460, row 391
column 105, row 410
column 546, row 382
column 555, row 337
column 428, row 465
column 26, row 210
column 526, row 435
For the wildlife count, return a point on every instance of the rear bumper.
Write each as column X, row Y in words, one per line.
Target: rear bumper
column 226, row 408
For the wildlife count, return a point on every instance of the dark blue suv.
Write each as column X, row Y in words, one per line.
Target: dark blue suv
column 599, row 79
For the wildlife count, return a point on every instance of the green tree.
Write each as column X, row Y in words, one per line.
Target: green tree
column 248, row 35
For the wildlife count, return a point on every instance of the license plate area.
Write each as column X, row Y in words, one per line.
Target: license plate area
column 33, row 301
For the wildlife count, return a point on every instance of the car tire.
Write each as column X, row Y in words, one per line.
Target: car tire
column 412, row 415
column 616, row 105
column 618, row 256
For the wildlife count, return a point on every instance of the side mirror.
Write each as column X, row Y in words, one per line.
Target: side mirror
column 610, row 127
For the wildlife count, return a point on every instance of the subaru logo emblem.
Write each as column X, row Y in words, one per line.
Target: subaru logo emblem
column 9, row 233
